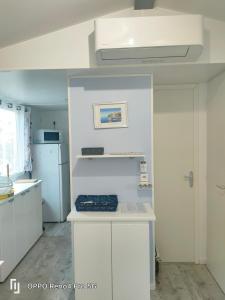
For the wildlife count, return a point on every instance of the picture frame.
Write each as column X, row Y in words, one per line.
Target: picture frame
column 110, row 115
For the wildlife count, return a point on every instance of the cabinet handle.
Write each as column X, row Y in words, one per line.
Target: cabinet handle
column 25, row 192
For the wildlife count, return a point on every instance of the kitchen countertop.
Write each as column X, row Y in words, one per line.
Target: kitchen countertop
column 126, row 212
column 20, row 188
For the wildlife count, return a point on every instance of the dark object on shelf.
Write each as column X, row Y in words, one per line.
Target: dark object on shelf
column 96, row 203
column 92, row 151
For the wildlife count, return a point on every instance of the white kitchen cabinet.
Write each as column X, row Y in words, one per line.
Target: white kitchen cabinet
column 29, row 215
column 130, row 261
column 37, row 211
column 21, row 229
column 20, row 226
column 27, row 210
column 112, row 250
column 92, row 244
column 34, row 212
column 7, row 238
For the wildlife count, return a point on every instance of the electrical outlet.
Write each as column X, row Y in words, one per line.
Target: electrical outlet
column 144, row 177
column 143, row 166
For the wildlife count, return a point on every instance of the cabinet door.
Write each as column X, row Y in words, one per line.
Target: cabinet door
column 92, row 256
column 30, row 215
column 130, row 261
column 37, row 211
column 7, row 238
column 34, row 206
column 21, row 225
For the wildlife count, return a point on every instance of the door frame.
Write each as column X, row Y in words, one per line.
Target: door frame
column 200, row 165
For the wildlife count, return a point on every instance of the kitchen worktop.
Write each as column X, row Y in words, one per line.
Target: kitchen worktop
column 20, row 188
column 126, row 212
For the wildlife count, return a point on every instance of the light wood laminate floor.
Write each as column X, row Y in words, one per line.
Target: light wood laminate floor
column 186, row 281
column 50, row 260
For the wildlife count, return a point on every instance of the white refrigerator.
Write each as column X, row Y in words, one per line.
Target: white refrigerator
column 51, row 165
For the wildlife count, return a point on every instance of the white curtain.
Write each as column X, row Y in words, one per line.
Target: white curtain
column 27, row 140
column 14, row 138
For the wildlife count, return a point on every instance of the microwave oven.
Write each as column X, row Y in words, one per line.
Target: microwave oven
column 48, row 136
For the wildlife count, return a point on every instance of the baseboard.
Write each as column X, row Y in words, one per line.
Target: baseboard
column 203, row 261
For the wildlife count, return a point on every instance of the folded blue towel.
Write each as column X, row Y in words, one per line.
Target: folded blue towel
column 96, row 203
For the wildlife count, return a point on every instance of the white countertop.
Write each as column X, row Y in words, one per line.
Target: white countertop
column 20, row 188
column 126, row 212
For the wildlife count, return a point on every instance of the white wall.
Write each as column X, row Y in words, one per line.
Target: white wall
column 216, row 179
column 73, row 47
column 44, row 119
column 113, row 176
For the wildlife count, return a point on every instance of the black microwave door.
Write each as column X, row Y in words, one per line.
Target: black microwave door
column 51, row 136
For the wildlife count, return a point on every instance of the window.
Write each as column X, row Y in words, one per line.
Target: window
column 11, row 141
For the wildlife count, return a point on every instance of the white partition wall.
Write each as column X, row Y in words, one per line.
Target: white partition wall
column 216, row 180
column 112, row 175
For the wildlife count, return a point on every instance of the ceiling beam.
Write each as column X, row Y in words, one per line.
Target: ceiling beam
column 143, row 4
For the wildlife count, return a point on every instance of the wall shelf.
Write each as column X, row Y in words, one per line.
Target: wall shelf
column 112, row 155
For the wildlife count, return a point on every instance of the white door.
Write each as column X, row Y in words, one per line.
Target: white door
column 173, row 160
column 216, row 181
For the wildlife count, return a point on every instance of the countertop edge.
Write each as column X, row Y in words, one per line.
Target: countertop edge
column 77, row 217
column 20, row 192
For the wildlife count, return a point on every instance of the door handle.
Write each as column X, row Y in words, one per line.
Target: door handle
column 221, row 187
column 190, row 178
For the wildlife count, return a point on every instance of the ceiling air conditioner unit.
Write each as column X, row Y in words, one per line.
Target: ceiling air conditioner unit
column 148, row 39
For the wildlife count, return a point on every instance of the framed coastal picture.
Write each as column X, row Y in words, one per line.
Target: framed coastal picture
column 110, row 115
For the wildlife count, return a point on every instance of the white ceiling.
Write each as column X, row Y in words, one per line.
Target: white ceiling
column 48, row 88
column 24, row 19
column 212, row 8
column 34, row 87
